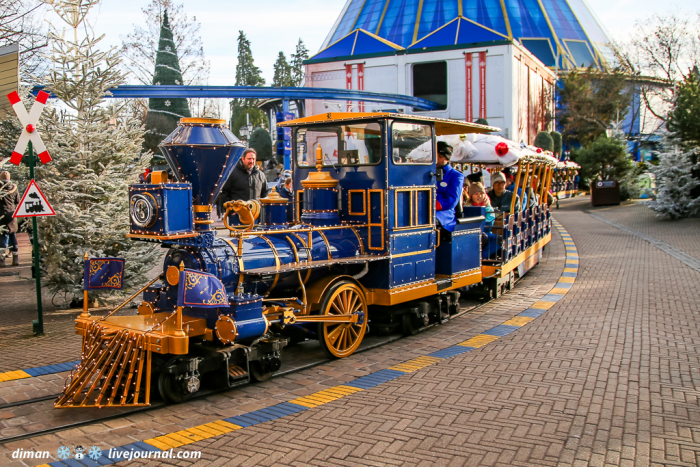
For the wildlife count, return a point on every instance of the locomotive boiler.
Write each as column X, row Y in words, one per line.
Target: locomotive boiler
column 364, row 243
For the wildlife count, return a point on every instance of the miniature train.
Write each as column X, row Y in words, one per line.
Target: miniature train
column 365, row 247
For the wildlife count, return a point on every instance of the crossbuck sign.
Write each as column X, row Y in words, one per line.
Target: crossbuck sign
column 29, row 121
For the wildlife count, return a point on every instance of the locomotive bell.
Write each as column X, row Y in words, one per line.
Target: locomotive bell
column 203, row 152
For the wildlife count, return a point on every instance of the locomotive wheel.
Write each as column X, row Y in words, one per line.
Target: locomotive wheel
column 258, row 374
column 340, row 340
column 172, row 390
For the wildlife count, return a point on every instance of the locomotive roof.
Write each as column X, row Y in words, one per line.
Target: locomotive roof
column 443, row 126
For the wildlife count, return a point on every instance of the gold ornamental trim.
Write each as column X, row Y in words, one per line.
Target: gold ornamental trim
column 210, row 121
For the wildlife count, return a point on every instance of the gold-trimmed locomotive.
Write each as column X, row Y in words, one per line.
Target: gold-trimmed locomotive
column 365, row 248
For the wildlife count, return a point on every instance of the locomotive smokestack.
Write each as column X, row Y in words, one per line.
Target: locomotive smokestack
column 203, row 152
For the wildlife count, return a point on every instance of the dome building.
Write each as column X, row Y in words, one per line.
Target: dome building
column 490, row 59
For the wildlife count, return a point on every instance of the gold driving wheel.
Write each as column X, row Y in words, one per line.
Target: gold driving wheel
column 342, row 339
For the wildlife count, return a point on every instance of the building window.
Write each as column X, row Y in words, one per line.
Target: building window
column 430, row 82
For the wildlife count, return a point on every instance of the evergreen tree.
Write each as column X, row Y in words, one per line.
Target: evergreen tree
column 283, row 72
column 545, row 141
column 604, row 159
column 247, row 74
column 96, row 152
column 261, row 142
column 556, row 141
column 684, row 119
column 675, row 181
column 164, row 113
column 298, row 72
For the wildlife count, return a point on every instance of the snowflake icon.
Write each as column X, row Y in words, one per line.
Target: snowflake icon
column 94, row 453
column 63, row 453
column 167, row 48
column 167, row 103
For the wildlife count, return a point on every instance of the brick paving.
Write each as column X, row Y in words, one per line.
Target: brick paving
column 607, row 376
column 154, row 423
column 682, row 233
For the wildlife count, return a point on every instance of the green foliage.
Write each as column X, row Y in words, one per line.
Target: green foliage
column 261, row 142
column 257, row 119
column 556, row 141
column 684, row 120
column 604, row 159
column 301, row 54
column 545, row 141
column 247, row 74
column 163, row 114
column 591, row 100
column 283, row 72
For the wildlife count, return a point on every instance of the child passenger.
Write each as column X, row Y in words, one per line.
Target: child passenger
column 478, row 198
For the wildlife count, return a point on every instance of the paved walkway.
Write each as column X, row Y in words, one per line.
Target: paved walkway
column 607, row 376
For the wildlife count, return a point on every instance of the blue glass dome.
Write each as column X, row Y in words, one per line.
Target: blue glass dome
column 548, row 28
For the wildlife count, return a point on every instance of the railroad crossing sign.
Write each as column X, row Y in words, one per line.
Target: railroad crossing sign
column 33, row 203
column 29, row 121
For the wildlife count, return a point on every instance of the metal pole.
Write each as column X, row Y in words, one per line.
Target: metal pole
column 37, row 324
column 287, row 159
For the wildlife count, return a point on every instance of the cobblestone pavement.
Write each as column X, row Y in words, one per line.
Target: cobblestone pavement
column 607, row 376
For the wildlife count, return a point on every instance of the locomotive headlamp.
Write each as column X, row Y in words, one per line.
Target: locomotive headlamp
column 144, row 209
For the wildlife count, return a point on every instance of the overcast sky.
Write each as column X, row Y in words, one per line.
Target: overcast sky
column 274, row 25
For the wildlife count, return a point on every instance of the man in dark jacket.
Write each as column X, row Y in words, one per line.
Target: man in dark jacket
column 9, row 199
column 246, row 182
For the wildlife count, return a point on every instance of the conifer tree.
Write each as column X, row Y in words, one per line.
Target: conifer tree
column 96, row 152
column 164, row 113
column 247, row 74
column 301, row 54
column 283, row 72
column 675, row 180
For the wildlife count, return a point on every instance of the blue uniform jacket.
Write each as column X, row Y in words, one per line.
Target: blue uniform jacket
column 449, row 192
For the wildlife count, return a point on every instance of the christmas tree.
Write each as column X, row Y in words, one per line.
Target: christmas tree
column 675, row 180
column 96, row 150
column 163, row 114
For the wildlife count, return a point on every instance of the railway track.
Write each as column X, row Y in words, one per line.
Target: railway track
column 371, row 342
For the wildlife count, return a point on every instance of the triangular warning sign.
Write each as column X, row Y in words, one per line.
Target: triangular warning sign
column 33, row 203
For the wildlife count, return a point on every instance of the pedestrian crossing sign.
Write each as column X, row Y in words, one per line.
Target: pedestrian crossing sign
column 33, row 203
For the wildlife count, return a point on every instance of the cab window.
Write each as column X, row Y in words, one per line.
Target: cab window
column 342, row 145
column 411, row 144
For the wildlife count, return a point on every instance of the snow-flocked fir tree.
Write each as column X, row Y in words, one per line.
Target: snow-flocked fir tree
column 164, row 113
column 96, row 152
column 675, row 181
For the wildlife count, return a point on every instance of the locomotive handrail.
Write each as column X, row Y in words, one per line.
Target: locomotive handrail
column 129, row 299
column 469, row 220
column 291, row 267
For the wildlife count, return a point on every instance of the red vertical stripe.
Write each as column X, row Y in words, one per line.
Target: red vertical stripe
column 361, row 83
column 482, row 85
column 469, row 116
column 348, row 83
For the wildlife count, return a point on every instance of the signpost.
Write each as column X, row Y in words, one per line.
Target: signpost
column 33, row 203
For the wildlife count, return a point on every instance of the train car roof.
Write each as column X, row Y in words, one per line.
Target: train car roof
column 443, row 126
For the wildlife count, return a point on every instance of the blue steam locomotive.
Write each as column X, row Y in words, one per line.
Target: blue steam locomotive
column 365, row 247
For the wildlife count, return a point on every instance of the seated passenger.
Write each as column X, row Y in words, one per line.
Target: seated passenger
column 449, row 188
column 478, row 198
column 499, row 197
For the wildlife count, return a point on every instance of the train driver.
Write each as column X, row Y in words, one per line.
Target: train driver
column 449, row 188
